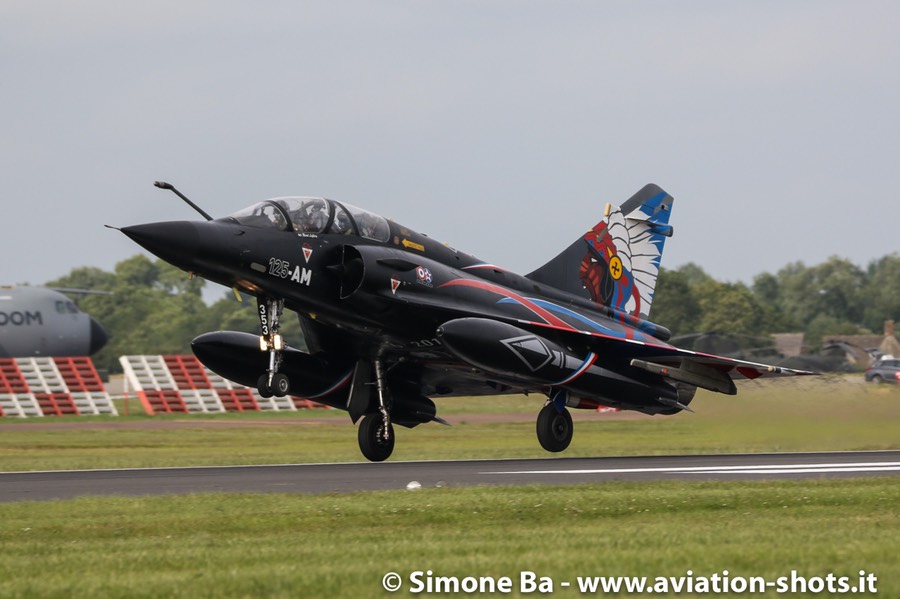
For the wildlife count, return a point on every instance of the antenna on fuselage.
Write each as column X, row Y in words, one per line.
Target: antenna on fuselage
column 169, row 186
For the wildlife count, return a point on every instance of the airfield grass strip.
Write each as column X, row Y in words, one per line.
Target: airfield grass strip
column 279, row 545
column 812, row 414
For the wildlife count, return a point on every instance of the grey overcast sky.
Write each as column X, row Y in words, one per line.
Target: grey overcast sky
column 501, row 127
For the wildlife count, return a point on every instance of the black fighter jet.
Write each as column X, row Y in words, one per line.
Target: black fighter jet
column 393, row 318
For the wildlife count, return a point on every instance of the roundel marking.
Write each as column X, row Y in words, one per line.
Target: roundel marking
column 615, row 267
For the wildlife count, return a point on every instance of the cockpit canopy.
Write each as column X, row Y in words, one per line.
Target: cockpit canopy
column 314, row 215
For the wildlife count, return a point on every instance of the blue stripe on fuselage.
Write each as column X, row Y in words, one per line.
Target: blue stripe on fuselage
column 638, row 335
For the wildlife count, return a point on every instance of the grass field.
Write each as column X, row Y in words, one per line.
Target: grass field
column 341, row 545
column 274, row 545
column 810, row 414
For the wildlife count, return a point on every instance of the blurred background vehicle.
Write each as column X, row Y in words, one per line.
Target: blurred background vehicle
column 884, row 370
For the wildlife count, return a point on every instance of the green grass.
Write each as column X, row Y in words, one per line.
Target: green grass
column 809, row 414
column 279, row 545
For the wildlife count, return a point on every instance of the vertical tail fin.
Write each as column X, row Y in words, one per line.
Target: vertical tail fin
column 616, row 263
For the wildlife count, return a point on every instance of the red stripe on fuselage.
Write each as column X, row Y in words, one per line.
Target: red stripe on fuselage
column 546, row 316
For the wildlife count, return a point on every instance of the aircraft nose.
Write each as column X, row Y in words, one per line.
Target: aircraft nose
column 175, row 242
column 98, row 337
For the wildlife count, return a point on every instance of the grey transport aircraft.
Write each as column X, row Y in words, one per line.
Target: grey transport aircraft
column 393, row 318
column 42, row 321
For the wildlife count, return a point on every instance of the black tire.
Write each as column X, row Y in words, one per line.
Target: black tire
column 372, row 443
column 554, row 428
column 262, row 387
column 877, row 379
column 281, row 385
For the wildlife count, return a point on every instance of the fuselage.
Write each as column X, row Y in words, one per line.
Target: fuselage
column 393, row 318
column 388, row 289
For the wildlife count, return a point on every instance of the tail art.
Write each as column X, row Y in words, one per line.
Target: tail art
column 617, row 262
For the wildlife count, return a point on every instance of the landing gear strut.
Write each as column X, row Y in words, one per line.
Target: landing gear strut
column 376, row 433
column 272, row 382
column 554, row 424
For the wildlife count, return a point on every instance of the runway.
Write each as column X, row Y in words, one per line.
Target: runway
column 365, row 476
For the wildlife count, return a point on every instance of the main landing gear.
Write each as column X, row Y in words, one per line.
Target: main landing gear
column 376, row 433
column 554, row 424
column 376, row 440
column 272, row 382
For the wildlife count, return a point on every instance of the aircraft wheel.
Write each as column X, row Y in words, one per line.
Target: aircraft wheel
column 281, row 384
column 262, row 387
column 554, row 428
column 372, row 443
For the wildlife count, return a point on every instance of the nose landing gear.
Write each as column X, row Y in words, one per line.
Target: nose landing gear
column 271, row 382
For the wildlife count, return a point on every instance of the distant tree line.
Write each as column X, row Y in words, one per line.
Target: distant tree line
column 834, row 297
column 156, row 309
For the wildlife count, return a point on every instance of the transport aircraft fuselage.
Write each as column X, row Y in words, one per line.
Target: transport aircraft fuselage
column 39, row 321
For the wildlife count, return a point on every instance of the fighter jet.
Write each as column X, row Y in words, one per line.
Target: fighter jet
column 393, row 318
column 41, row 321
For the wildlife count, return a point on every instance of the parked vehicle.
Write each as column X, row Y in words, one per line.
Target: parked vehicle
column 884, row 370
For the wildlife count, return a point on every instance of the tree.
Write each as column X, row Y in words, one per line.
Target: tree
column 832, row 288
column 86, row 277
column 730, row 307
column 674, row 305
column 840, row 284
column 881, row 293
column 825, row 325
column 767, row 291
